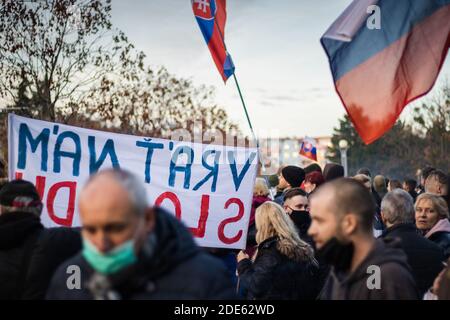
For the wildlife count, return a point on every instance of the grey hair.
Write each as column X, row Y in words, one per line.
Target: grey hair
column 132, row 185
column 398, row 207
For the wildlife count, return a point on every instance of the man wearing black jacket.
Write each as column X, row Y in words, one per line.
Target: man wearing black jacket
column 132, row 251
column 362, row 268
column 424, row 256
column 29, row 253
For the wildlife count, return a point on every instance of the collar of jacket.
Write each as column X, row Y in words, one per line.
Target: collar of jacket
column 403, row 227
column 268, row 242
column 15, row 227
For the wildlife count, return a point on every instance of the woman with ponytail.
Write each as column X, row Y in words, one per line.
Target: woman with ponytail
column 283, row 266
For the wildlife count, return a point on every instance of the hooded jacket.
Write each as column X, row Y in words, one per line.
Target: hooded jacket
column 396, row 281
column 274, row 275
column 171, row 266
column 440, row 234
column 30, row 254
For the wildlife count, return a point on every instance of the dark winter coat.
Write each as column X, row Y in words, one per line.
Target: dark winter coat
column 177, row 269
column 274, row 275
column 396, row 281
column 424, row 256
column 30, row 254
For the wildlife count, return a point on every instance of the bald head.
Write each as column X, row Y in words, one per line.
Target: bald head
column 345, row 195
column 112, row 205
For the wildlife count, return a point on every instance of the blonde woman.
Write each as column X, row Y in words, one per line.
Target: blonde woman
column 283, row 266
column 432, row 220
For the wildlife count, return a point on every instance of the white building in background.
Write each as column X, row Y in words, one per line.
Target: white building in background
column 285, row 151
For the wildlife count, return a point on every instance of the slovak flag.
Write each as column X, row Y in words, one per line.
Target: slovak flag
column 211, row 16
column 309, row 149
column 383, row 54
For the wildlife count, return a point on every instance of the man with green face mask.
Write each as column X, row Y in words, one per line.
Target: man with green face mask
column 134, row 251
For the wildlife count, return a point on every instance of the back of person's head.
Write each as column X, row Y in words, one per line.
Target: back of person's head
column 260, row 188
column 333, row 171
column 20, row 196
column 379, row 184
column 272, row 221
column 313, row 167
column 348, row 196
column 437, row 182
column 410, row 184
column 315, row 177
column 293, row 175
column 364, row 171
column 293, row 193
column 426, row 172
column 397, row 207
column 364, row 180
column 438, row 203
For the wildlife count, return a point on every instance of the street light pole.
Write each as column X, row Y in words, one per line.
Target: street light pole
column 343, row 147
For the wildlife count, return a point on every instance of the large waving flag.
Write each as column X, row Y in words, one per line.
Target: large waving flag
column 211, row 16
column 309, row 149
column 377, row 72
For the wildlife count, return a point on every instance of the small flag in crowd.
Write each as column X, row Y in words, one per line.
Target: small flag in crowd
column 211, row 16
column 309, row 149
column 379, row 68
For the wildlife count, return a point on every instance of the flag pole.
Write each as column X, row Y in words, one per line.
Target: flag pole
column 263, row 167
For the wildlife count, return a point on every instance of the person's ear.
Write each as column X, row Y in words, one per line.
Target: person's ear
column 150, row 219
column 349, row 224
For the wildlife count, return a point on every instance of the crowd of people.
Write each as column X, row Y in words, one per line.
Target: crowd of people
column 312, row 234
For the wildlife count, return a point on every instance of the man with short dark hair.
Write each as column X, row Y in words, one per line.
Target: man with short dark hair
column 410, row 185
column 437, row 183
column 362, row 268
column 29, row 253
column 290, row 177
column 297, row 207
column 133, row 251
column 424, row 256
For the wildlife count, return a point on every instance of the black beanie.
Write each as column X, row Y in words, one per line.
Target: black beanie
column 293, row 175
column 19, row 194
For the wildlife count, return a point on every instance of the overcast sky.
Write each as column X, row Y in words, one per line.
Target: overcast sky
column 280, row 64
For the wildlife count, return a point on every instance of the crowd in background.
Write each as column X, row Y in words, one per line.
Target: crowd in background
column 312, row 234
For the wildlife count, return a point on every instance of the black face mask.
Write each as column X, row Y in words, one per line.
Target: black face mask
column 337, row 254
column 301, row 219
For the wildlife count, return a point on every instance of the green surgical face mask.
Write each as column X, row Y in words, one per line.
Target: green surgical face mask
column 112, row 261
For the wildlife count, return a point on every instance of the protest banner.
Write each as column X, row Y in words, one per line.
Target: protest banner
column 208, row 187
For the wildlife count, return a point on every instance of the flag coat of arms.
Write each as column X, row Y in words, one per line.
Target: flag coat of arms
column 309, row 149
column 211, row 16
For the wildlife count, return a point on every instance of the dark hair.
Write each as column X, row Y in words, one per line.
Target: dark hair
column 426, row 171
column 365, row 171
column 411, row 184
column 294, row 192
column 313, row 167
column 440, row 176
column 350, row 196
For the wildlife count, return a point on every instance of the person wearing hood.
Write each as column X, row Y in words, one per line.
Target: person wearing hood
column 333, row 171
column 132, row 251
column 424, row 256
column 284, row 267
column 290, row 177
column 432, row 220
column 363, row 268
column 260, row 195
column 29, row 253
